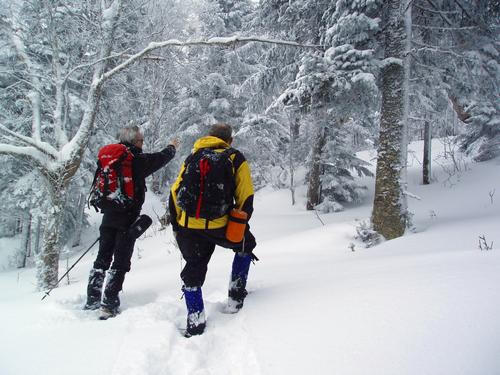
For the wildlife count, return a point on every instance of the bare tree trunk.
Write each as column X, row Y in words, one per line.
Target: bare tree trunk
column 79, row 221
column 314, row 187
column 48, row 259
column 25, row 243
column 389, row 207
column 426, row 170
column 36, row 247
column 294, row 133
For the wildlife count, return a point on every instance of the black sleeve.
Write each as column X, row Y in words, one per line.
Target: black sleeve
column 147, row 164
column 173, row 214
column 238, row 159
column 248, row 206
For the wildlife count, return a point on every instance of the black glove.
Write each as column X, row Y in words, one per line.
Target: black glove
column 139, row 226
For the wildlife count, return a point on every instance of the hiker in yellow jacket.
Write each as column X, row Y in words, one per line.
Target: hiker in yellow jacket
column 214, row 179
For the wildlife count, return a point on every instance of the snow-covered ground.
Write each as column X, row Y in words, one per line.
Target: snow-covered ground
column 426, row 303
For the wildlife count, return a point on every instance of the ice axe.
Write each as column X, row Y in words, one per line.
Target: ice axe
column 138, row 227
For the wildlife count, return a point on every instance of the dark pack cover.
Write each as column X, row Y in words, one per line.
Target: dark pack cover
column 207, row 187
column 113, row 186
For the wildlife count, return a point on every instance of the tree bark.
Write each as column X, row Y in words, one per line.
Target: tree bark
column 389, row 207
column 79, row 221
column 294, row 133
column 25, row 243
column 48, row 259
column 426, row 166
column 314, row 186
column 36, row 248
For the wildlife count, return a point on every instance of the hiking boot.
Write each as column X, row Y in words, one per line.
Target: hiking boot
column 107, row 312
column 114, row 283
column 196, row 321
column 94, row 289
column 236, row 297
column 92, row 305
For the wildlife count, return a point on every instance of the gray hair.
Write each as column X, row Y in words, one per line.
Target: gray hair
column 222, row 131
column 128, row 134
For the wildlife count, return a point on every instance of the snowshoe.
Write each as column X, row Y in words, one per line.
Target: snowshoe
column 92, row 305
column 236, row 296
column 196, row 324
column 105, row 312
column 94, row 289
column 233, row 306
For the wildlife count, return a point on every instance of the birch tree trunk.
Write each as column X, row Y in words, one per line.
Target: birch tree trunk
column 48, row 259
column 389, row 207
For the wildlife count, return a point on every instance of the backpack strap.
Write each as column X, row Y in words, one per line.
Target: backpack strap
column 93, row 186
column 118, row 169
column 204, row 170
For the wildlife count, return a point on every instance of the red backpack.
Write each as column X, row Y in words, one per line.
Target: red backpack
column 113, row 185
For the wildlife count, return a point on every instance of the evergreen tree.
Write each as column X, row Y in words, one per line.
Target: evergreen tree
column 337, row 86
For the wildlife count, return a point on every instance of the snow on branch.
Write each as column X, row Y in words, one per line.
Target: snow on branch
column 389, row 61
column 88, row 65
column 218, row 41
column 28, row 151
column 425, row 9
column 443, row 16
column 442, row 28
column 42, row 147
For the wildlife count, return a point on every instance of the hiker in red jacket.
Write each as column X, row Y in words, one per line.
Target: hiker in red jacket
column 116, row 245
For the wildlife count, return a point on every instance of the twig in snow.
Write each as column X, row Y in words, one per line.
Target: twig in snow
column 491, row 193
column 317, row 215
column 483, row 245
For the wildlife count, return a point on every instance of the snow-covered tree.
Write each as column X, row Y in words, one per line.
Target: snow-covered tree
column 389, row 215
column 456, row 65
column 53, row 147
column 337, row 86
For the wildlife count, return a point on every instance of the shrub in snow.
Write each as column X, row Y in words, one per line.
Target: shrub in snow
column 329, row 206
column 366, row 234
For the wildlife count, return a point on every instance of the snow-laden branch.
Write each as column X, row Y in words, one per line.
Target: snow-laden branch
column 28, row 152
column 425, row 9
column 73, row 150
column 98, row 79
column 59, row 84
column 442, row 28
column 88, row 65
column 34, row 95
column 219, row 41
column 42, row 147
column 443, row 16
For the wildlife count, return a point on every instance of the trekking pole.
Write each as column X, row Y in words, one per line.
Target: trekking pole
column 74, row 264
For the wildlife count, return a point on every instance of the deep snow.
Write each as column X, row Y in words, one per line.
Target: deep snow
column 426, row 303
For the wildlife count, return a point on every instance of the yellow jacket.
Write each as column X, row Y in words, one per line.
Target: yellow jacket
column 243, row 195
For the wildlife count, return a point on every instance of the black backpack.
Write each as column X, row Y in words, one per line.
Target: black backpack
column 207, row 187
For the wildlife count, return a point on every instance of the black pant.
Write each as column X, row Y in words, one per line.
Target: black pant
column 115, row 245
column 197, row 247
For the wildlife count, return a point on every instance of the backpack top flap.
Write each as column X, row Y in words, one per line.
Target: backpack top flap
column 207, row 187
